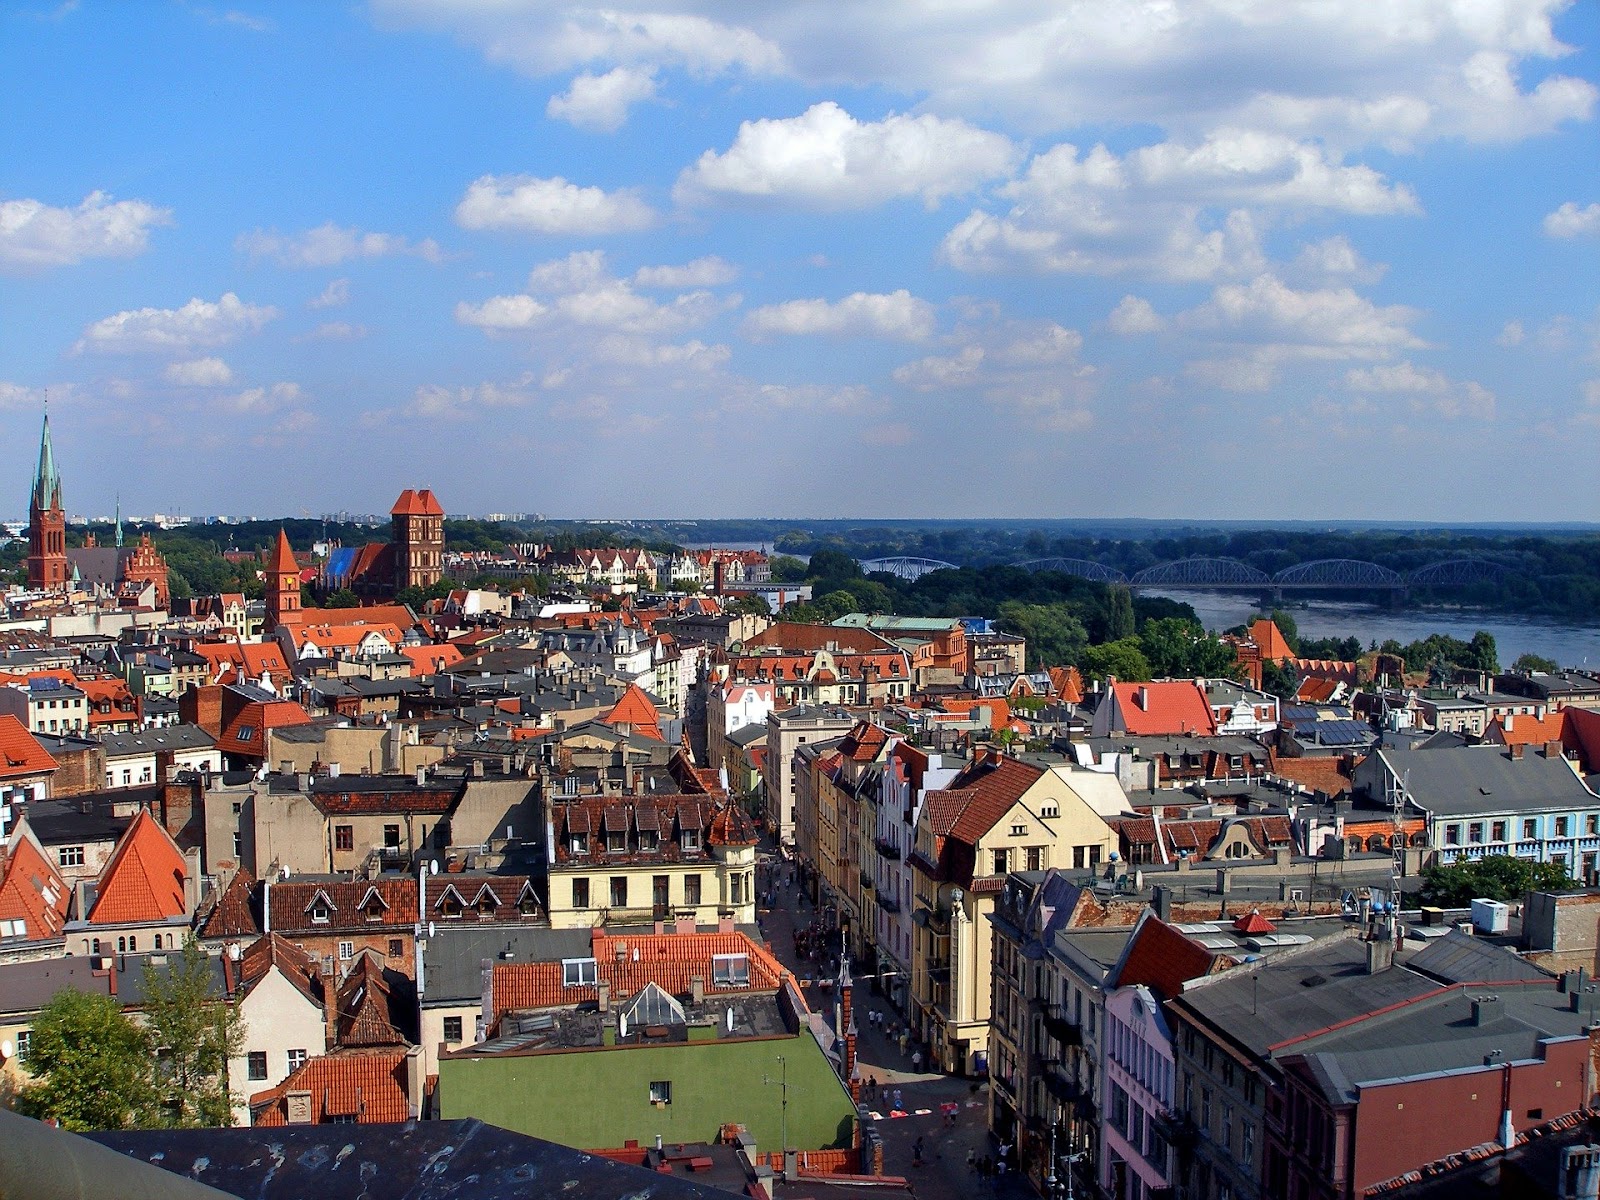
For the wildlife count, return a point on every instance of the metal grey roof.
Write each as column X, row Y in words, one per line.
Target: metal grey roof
column 1484, row 779
column 419, row 1160
column 453, row 958
column 148, row 741
column 1460, row 958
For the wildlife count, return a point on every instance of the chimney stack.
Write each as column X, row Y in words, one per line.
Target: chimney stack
column 697, row 989
column 1142, row 698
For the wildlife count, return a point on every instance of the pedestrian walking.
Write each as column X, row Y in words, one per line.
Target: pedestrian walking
column 899, row 1104
column 972, row 1158
column 916, row 1061
column 872, row 1087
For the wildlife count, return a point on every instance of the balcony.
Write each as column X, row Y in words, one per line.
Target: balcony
column 888, row 850
column 888, row 903
column 1058, row 1026
column 867, row 884
column 932, row 919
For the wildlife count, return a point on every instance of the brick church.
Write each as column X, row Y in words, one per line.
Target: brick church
column 124, row 572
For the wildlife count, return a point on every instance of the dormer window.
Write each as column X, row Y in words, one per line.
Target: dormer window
column 450, row 904
column 578, row 843
column 691, row 839
column 319, row 913
column 578, row 972
column 616, row 842
column 486, row 903
column 649, row 841
column 373, row 911
column 730, row 970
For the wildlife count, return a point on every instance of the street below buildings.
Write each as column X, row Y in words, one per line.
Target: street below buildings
column 947, row 1114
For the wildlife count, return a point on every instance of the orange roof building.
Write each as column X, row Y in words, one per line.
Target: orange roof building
column 634, row 713
column 1177, row 706
column 1269, row 639
column 33, row 895
column 22, row 758
column 379, row 1086
column 144, row 881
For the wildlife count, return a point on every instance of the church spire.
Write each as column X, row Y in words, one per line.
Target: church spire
column 119, row 518
column 46, row 480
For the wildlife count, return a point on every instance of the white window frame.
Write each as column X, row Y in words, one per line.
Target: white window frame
column 579, row 972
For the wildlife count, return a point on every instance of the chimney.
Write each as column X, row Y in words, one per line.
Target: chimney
column 1142, row 698
column 1552, row 749
column 1486, row 1010
column 1508, row 722
column 1161, row 901
column 1516, row 751
column 1380, row 954
column 1580, row 1173
column 697, row 989
column 602, row 995
column 422, row 776
column 414, row 1081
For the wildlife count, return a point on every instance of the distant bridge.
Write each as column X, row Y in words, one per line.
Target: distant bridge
column 909, row 569
column 1321, row 575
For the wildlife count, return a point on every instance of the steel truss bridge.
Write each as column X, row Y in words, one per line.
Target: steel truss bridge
column 1321, row 575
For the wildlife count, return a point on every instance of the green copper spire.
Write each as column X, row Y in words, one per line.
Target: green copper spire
column 47, row 480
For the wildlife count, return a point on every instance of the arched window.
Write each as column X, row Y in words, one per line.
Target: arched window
column 122, row 945
column 94, row 946
column 133, row 944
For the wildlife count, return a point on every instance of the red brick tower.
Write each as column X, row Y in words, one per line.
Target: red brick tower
column 418, row 539
column 47, row 522
column 283, row 582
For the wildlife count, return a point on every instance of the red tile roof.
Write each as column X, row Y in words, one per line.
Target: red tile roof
column 1067, row 683
column 234, row 915
column 369, row 1085
column 281, row 560
column 429, row 660
column 257, row 717
column 669, row 960
column 1162, row 959
column 1178, row 706
column 991, row 786
column 634, row 709
column 143, row 880
column 31, row 889
column 1253, row 924
column 1529, row 730
column 417, row 502
column 297, row 966
column 23, row 755
column 289, row 904
column 366, row 1017
column 1270, row 640
column 1314, row 690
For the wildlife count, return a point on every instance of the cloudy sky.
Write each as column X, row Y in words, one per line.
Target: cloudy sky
column 1205, row 258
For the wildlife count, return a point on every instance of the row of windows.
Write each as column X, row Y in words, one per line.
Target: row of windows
column 1032, row 856
column 1139, row 1058
column 660, row 890
column 1498, row 830
column 130, row 944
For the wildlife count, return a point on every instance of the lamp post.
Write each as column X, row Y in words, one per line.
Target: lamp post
column 783, row 1088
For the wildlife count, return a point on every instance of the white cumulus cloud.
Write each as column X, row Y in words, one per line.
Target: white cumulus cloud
column 1429, row 389
column 898, row 315
column 827, row 159
column 710, row 271
column 35, row 235
column 197, row 323
column 1570, row 221
column 526, row 204
column 1134, row 315
column 328, row 245
column 335, row 294
column 601, row 102
column 1311, row 323
column 199, row 372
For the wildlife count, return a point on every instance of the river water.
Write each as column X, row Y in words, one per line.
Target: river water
column 1571, row 645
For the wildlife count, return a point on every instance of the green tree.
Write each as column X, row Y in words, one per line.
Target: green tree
column 1167, row 644
column 1055, row 636
column 1484, row 654
column 828, row 564
column 194, row 1033
column 752, row 604
column 1280, row 680
column 786, row 568
column 1123, row 658
column 1493, row 877
column 91, row 1066
column 1119, row 613
column 1527, row 663
column 343, row 598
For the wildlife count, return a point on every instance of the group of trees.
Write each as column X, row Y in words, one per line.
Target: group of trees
column 1493, row 877
column 94, row 1067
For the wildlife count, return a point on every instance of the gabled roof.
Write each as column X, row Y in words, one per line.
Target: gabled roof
column 20, row 752
column 143, row 880
column 1160, row 958
column 234, row 915
column 417, row 502
column 1528, row 730
column 31, row 888
column 369, row 1085
column 281, row 560
column 1177, row 706
column 635, row 709
column 298, row 967
column 991, row 786
column 1269, row 639
column 289, row 904
column 256, row 718
column 429, row 660
column 365, row 1015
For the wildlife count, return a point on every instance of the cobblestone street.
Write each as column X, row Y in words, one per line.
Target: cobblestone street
column 951, row 1143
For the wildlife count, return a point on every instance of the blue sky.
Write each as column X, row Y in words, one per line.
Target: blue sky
column 1201, row 258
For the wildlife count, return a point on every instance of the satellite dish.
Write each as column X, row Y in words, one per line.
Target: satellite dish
column 430, row 928
column 433, row 866
column 622, row 1024
column 7, row 1049
column 730, row 1018
column 234, row 953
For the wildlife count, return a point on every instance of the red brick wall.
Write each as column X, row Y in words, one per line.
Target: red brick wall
column 1404, row 1126
column 78, row 772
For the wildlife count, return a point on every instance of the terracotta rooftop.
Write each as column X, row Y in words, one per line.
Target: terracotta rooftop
column 291, row 903
column 1178, row 706
column 991, row 786
column 281, row 560
column 298, row 967
column 234, row 915
column 417, row 502
column 144, row 877
column 31, row 888
column 669, row 960
column 22, row 753
column 1269, row 639
column 634, row 709
column 367, row 1085
column 1162, row 959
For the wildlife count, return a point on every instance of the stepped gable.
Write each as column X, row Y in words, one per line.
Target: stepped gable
column 144, row 878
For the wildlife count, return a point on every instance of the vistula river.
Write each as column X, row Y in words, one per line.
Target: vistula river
column 1571, row 645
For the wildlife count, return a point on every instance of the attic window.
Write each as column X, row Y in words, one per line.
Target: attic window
column 450, row 904
column 246, row 733
column 649, row 841
column 730, row 970
column 616, row 842
column 319, row 913
column 486, row 902
column 578, row 972
column 1050, row 810
column 578, row 843
column 691, row 839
